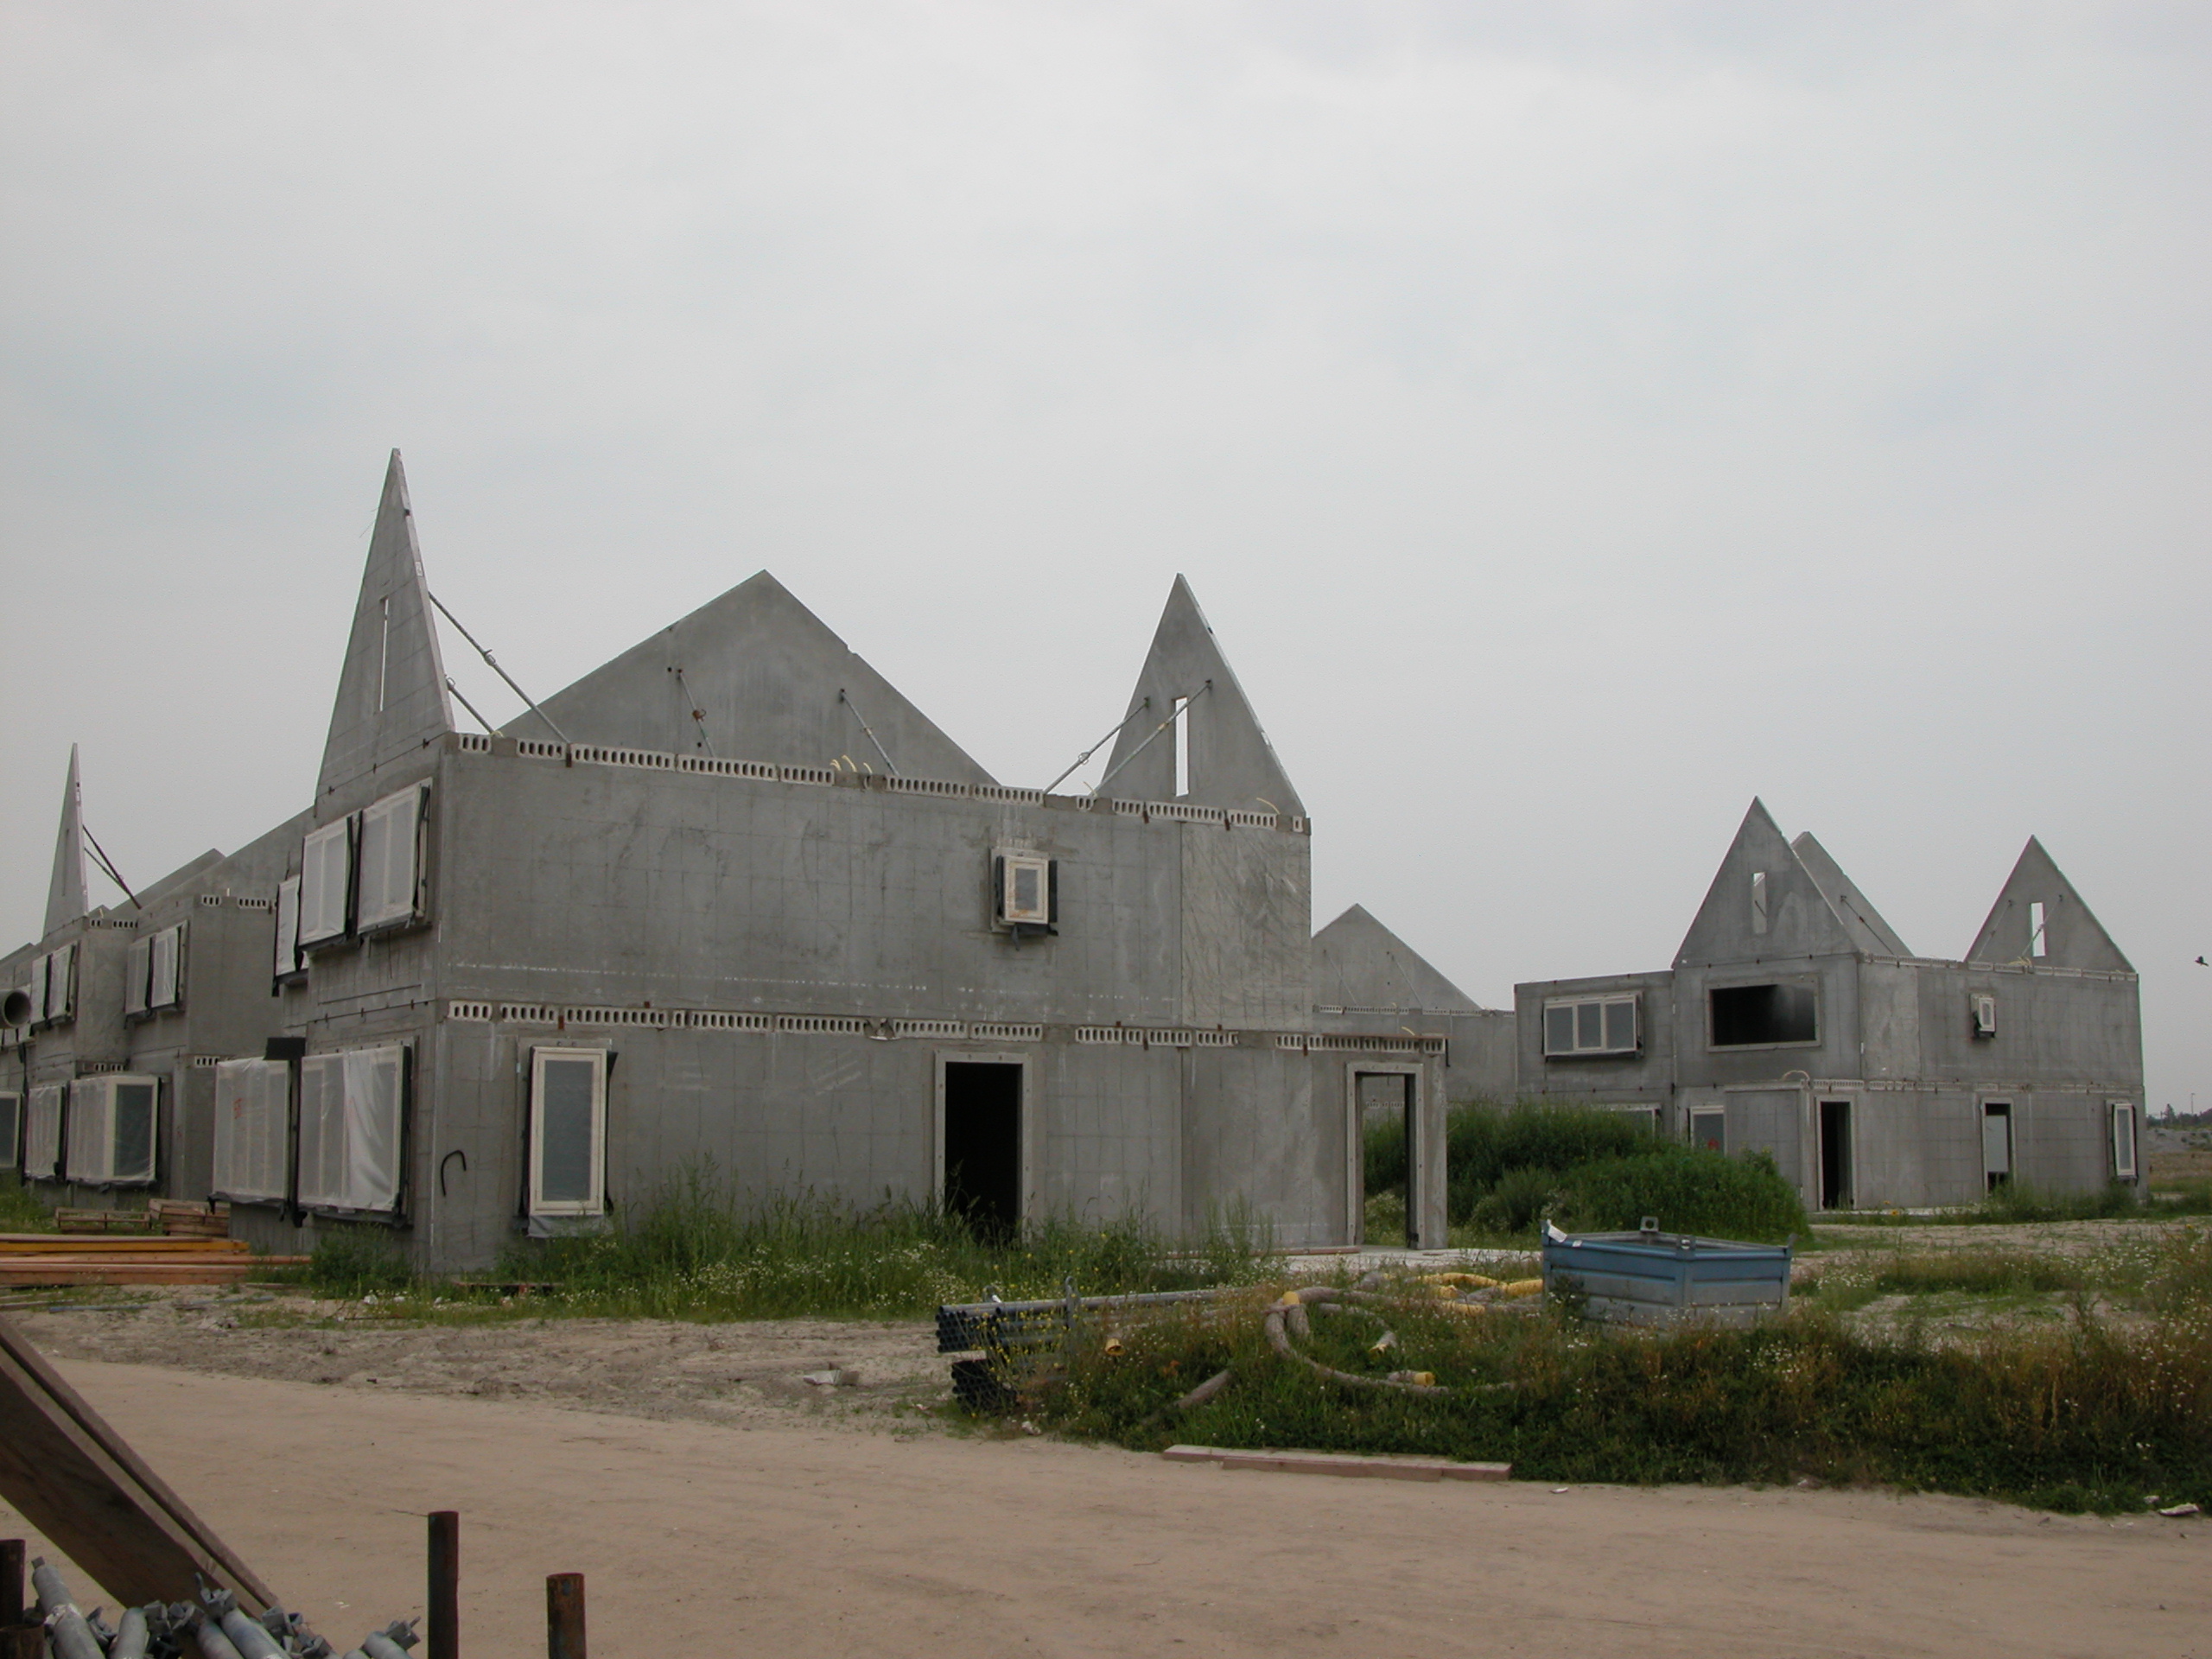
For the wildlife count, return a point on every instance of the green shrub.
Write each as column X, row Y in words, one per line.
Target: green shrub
column 1384, row 1154
column 22, row 1209
column 1518, row 1201
column 2019, row 1201
column 1484, row 1141
column 1689, row 1189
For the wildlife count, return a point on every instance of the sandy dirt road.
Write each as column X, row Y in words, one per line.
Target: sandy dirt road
column 803, row 1538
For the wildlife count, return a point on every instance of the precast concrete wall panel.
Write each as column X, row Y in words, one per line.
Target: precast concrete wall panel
column 1771, row 1121
column 1259, row 1131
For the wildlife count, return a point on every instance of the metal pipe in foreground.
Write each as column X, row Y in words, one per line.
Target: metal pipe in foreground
column 131, row 1636
column 564, row 1616
column 72, row 1637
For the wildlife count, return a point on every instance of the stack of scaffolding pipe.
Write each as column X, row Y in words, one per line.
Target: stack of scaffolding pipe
column 219, row 1630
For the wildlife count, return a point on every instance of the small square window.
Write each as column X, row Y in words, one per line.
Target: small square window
column 1027, row 894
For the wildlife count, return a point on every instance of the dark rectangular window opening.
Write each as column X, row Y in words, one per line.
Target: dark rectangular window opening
column 1754, row 1016
column 982, row 1146
column 1835, row 1154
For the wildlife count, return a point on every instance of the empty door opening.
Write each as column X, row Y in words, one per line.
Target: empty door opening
column 1390, row 1127
column 1835, row 1154
column 982, row 1146
column 1996, row 1143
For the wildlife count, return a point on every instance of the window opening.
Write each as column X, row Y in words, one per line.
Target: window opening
column 110, row 1130
column 384, row 657
column 1835, row 1154
column 2123, row 1140
column 1759, row 901
column 389, row 840
column 1026, row 891
column 11, row 1129
column 326, row 883
column 568, row 1131
column 1709, row 1129
column 42, row 1114
column 1182, row 748
column 2038, row 942
column 253, row 1131
column 1996, row 1143
column 1759, row 1016
column 1604, row 1025
column 165, row 977
column 137, row 974
column 982, row 1146
column 286, row 962
column 350, row 1107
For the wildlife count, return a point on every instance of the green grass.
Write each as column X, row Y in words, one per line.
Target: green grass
column 22, row 1209
column 695, row 1252
column 2087, row 1416
column 2019, row 1203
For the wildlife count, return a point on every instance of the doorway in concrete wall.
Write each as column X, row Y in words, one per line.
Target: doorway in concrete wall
column 1835, row 1154
column 1996, row 1143
column 982, row 1141
column 1387, row 1126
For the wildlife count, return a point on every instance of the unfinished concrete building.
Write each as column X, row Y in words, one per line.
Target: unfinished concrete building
column 1795, row 1022
column 1368, row 979
column 731, row 900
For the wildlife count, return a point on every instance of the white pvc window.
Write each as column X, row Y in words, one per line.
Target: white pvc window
column 11, row 1130
column 1025, row 884
column 138, row 969
column 253, row 1130
column 2038, row 938
column 1759, row 901
column 165, row 978
column 326, row 883
column 42, row 1131
column 286, row 962
column 2123, row 1140
column 568, row 1131
column 389, row 886
column 111, row 1129
column 1596, row 1025
column 350, row 1107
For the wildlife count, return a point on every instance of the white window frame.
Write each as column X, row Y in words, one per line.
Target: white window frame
column 59, row 1002
column 343, row 1126
column 325, row 920
column 1648, row 1110
column 286, row 962
column 1604, row 1001
column 2117, row 1112
column 2038, row 931
column 11, row 1129
column 45, row 1107
column 1759, row 888
column 595, row 1204
column 137, row 975
column 165, row 965
column 390, row 831
column 253, row 1105
column 90, row 1159
column 1983, row 1005
column 1007, row 861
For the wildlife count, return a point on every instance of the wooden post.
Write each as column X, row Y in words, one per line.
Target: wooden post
column 444, row 1641
column 564, row 1616
column 21, row 1637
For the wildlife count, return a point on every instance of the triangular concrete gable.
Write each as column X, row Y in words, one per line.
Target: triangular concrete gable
column 66, row 899
column 392, row 693
column 1358, row 963
column 1799, row 920
column 1868, row 931
column 2073, row 935
column 1231, row 763
column 771, row 682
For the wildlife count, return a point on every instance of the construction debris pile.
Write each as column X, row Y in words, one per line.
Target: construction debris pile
column 216, row 1627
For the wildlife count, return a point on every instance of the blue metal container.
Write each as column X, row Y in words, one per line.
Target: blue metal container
column 1650, row 1277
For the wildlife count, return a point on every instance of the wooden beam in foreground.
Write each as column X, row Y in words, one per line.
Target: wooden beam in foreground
column 78, row 1482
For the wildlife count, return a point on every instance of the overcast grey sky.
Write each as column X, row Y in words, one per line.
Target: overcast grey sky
column 1575, row 420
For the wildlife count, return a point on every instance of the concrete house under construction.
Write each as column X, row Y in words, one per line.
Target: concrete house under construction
column 1795, row 1021
column 730, row 897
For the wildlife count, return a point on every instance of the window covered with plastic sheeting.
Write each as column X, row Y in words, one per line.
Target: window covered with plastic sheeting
column 389, row 887
column 111, row 1129
column 352, row 1111
column 11, row 1131
column 60, row 983
column 137, row 971
column 326, row 883
column 287, row 961
column 568, row 1131
column 165, row 975
column 253, row 1131
column 42, row 1131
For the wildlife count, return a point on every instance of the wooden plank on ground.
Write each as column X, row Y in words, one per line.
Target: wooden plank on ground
column 100, row 1243
column 1386, row 1466
column 80, row 1482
